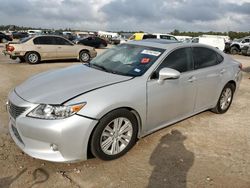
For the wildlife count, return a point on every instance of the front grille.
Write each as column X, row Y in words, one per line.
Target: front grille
column 16, row 134
column 15, row 111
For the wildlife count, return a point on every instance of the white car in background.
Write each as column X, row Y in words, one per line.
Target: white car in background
column 216, row 42
column 165, row 36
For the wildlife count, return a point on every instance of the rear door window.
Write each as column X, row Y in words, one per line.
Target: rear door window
column 61, row 41
column 204, row 57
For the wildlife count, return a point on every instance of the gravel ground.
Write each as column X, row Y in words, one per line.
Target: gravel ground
column 206, row 150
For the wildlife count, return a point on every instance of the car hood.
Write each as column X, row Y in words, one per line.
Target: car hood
column 58, row 86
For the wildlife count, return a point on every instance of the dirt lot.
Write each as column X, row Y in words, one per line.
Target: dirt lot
column 206, row 150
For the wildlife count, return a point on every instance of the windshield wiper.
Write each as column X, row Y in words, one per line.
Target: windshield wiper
column 99, row 67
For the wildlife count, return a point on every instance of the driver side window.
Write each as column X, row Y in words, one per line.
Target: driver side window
column 180, row 60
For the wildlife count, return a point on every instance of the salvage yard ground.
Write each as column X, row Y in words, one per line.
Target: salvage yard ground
column 206, row 150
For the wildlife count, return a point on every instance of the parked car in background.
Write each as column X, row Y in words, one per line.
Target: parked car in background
column 93, row 41
column 225, row 37
column 165, row 36
column 123, row 94
column 184, row 39
column 19, row 35
column 69, row 35
column 48, row 47
column 5, row 38
column 236, row 45
column 211, row 41
column 115, row 40
column 142, row 36
column 245, row 50
column 35, row 32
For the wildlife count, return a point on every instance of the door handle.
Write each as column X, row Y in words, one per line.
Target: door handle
column 192, row 79
column 222, row 71
column 59, row 47
column 39, row 47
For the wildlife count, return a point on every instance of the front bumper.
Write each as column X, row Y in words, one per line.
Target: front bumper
column 93, row 53
column 37, row 136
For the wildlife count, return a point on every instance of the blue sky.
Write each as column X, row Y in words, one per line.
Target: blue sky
column 129, row 15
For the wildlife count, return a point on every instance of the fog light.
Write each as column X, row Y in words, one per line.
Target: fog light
column 54, row 147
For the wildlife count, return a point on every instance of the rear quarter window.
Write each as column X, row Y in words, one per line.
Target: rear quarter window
column 205, row 57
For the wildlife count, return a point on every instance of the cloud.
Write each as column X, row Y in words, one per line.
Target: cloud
column 182, row 14
column 147, row 15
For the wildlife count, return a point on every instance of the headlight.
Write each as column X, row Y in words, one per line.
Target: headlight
column 46, row 111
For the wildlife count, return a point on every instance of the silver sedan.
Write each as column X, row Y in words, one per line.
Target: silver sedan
column 122, row 95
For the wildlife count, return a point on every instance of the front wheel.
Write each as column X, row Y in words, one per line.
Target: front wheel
column 84, row 57
column 115, row 134
column 234, row 50
column 225, row 99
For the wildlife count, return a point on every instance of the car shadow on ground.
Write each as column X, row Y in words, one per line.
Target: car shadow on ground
column 171, row 161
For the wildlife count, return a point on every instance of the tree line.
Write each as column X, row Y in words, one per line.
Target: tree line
column 231, row 34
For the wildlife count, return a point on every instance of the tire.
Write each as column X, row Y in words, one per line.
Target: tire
column 32, row 58
column 107, row 142
column 101, row 46
column 234, row 50
column 4, row 40
column 225, row 100
column 84, row 56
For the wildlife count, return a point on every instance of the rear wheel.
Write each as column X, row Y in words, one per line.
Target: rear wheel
column 32, row 58
column 114, row 135
column 4, row 40
column 84, row 56
column 225, row 99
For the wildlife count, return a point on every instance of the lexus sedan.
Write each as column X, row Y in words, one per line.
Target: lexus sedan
column 126, row 93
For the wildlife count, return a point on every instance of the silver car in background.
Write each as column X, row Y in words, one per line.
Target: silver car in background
column 123, row 94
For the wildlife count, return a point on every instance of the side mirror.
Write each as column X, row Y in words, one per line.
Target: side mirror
column 168, row 73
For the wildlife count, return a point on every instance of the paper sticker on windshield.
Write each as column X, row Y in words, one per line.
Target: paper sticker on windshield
column 151, row 52
column 137, row 70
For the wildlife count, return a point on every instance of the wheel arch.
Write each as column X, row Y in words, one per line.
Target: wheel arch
column 33, row 52
column 233, row 83
column 235, row 45
column 133, row 111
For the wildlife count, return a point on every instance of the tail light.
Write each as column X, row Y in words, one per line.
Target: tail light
column 10, row 48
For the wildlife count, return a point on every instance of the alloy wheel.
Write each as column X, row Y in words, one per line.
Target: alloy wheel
column 116, row 136
column 226, row 98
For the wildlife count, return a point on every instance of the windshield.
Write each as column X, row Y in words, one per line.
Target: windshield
column 127, row 59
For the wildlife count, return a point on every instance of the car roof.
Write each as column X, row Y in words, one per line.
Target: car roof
column 167, row 45
column 161, row 41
